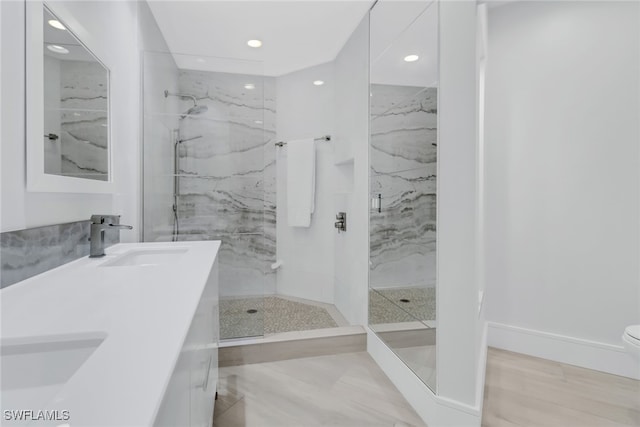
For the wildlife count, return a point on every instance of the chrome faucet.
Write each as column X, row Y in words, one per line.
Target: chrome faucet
column 99, row 224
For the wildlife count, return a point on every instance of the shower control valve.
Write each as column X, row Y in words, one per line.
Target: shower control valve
column 341, row 223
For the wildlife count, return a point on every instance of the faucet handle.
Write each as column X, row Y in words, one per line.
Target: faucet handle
column 109, row 219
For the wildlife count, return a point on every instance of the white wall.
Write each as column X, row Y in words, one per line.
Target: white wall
column 320, row 263
column 458, row 344
column 351, row 140
column 117, row 30
column 21, row 209
column 563, row 179
column 306, row 111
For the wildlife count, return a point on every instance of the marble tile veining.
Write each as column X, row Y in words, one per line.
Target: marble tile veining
column 225, row 148
column 404, row 179
column 25, row 253
column 221, row 205
column 84, row 85
column 84, row 120
column 404, row 130
column 227, row 185
column 243, row 261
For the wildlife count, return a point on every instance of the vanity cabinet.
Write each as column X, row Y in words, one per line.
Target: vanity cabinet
column 189, row 397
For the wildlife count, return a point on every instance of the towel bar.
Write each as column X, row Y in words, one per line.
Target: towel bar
column 322, row 138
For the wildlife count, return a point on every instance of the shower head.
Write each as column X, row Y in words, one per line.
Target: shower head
column 196, row 109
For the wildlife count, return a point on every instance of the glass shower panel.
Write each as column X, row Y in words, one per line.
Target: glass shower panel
column 206, row 173
column 403, row 161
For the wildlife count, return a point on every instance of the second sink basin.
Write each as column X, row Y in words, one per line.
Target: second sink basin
column 147, row 257
column 35, row 370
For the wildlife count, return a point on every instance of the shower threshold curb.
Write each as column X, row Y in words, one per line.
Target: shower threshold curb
column 292, row 345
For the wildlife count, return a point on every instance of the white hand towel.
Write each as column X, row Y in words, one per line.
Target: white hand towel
column 301, row 182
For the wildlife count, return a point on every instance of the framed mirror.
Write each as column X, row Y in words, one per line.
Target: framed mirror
column 68, row 126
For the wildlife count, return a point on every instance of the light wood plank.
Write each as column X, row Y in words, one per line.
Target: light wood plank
column 522, row 390
column 336, row 390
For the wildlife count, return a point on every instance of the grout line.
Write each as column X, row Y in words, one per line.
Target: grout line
column 220, row 414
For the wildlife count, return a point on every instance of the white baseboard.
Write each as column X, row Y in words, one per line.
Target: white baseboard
column 594, row 355
column 435, row 411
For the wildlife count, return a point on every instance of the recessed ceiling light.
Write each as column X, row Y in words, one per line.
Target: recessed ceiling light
column 57, row 49
column 258, row 122
column 56, row 24
column 411, row 58
column 201, row 60
column 249, row 86
column 254, row 43
column 318, row 82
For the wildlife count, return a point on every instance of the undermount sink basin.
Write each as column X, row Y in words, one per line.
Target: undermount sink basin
column 33, row 371
column 147, row 257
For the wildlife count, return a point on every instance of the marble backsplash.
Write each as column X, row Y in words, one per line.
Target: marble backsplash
column 25, row 253
column 403, row 174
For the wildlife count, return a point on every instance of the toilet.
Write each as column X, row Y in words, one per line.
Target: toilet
column 631, row 340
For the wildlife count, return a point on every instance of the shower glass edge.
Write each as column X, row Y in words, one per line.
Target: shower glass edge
column 223, row 172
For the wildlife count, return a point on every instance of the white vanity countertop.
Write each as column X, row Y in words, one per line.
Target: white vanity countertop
column 144, row 311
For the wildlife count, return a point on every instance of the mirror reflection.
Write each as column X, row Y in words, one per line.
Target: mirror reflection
column 76, row 89
column 403, row 156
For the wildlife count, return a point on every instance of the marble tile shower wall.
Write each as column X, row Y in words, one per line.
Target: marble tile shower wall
column 25, row 253
column 403, row 174
column 227, row 184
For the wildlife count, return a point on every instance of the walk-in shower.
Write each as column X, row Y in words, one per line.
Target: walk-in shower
column 213, row 177
column 209, row 174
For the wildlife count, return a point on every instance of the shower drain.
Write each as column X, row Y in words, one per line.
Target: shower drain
column 252, row 311
column 405, row 300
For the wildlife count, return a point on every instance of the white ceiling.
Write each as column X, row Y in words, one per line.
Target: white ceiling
column 401, row 28
column 296, row 34
column 77, row 51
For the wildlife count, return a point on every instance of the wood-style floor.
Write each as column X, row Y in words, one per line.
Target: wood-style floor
column 527, row 391
column 345, row 390
column 350, row 390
